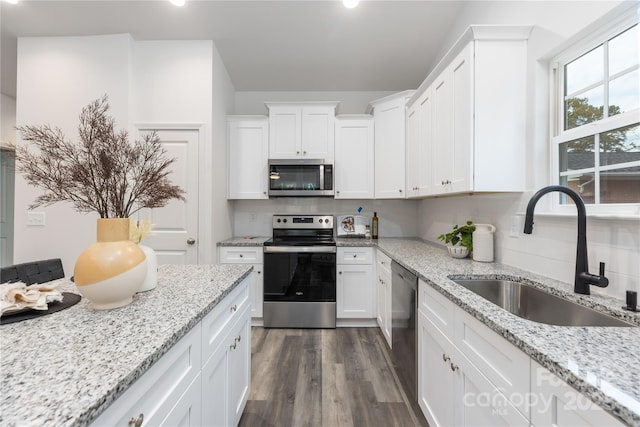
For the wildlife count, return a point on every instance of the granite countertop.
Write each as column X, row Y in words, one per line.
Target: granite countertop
column 244, row 241
column 65, row 368
column 600, row 362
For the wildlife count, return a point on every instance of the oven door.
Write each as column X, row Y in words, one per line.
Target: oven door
column 294, row 273
column 299, row 287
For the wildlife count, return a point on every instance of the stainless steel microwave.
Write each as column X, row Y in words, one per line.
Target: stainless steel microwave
column 300, row 178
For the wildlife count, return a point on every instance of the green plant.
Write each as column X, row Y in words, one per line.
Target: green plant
column 462, row 235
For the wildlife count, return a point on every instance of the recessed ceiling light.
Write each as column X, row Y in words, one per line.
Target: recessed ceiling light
column 350, row 4
column 178, row 2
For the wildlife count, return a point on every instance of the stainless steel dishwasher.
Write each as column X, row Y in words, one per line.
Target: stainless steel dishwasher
column 404, row 325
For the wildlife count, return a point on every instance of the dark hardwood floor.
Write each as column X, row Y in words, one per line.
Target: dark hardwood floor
column 325, row 377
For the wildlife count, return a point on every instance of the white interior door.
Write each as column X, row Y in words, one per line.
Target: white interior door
column 175, row 227
column 7, row 176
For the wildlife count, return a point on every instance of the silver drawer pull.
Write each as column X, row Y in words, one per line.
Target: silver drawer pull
column 445, row 358
column 238, row 338
column 454, row 367
column 233, row 346
column 136, row 422
column 234, row 307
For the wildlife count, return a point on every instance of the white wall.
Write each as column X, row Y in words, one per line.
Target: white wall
column 398, row 218
column 550, row 250
column 172, row 86
column 223, row 105
column 350, row 102
column 7, row 119
column 57, row 77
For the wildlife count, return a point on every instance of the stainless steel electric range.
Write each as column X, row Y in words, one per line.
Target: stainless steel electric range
column 300, row 273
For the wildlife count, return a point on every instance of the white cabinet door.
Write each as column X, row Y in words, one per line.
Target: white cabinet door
column 355, row 292
column 301, row 131
column 436, row 383
column 555, row 403
column 239, row 366
column 248, row 151
column 318, row 134
column 419, row 146
column 187, row 411
column 215, row 399
column 383, row 271
column 390, row 128
column 285, row 131
column 442, row 119
column 461, row 75
column 354, row 158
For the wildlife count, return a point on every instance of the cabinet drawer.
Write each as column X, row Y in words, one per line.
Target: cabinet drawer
column 383, row 261
column 354, row 255
column 501, row 362
column 214, row 324
column 240, row 255
column 154, row 394
column 437, row 308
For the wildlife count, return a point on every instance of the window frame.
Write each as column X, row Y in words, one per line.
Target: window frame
column 559, row 135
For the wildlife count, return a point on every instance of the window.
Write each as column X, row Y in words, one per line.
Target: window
column 596, row 143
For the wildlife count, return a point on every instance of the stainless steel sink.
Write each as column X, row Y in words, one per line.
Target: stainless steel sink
column 537, row 305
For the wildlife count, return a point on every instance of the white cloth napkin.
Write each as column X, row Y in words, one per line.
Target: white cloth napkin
column 18, row 296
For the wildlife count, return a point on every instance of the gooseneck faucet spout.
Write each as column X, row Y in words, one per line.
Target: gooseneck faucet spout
column 582, row 278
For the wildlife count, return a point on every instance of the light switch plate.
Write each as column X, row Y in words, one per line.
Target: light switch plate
column 37, row 219
column 514, row 226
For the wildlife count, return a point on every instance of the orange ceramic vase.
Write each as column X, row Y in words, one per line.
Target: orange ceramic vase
column 111, row 270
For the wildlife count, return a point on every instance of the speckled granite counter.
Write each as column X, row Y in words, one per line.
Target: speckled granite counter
column 244, row 241
column 65, row 368
column 601, row 362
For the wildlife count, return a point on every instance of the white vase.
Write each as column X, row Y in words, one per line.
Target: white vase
column 151, row 280
column 483, row 242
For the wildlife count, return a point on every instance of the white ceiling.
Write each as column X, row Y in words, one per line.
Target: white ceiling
column 295, row 45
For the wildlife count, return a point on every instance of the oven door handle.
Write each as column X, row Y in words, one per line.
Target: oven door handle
column 296, row 249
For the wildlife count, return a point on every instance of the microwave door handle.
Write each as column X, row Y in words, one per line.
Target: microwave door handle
column 322, row 177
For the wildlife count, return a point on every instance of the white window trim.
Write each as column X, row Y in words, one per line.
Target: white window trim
column 574, row 49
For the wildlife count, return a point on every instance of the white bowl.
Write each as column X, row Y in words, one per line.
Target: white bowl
column 458, row 251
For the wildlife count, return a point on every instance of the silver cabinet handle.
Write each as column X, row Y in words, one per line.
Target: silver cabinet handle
column 297, row 152
column 234, row 307
column 445, row 358
column 233, row 346
column 339, row 272
column 259, row 272
column 136, row 422
column 304, row 153
column 241, row 256
column 238, row 338
column 454, row 367
column 191, row 241
column 355, row 255
column 400, row 190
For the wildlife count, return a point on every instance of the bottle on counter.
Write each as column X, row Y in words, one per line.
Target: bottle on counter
column 374, row 226
column 367, row 232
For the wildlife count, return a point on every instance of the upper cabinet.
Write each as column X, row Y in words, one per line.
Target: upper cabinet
column 247, row 151
column 354, row 157
column 301, row 130
column 470, row 114
column 389, row 116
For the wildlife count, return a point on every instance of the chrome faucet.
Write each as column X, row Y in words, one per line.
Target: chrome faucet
column 583, row 278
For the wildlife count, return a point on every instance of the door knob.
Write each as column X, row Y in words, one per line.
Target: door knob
column 191, row 241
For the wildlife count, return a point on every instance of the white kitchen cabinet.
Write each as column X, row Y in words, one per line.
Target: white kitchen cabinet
column 465, row 370
column 164, row 391
column 247, row 152
column 354, row 157
column 355, row 291
column 555, row 403
column 302, row 130
column 390, row 129
column 419, row 146
column 384, row 296
column 248, row 255
column 478, row 116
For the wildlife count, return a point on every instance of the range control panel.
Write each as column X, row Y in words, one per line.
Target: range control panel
column 303, row 221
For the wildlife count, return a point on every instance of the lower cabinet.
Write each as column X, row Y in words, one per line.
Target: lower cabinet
column 383, row 285
column 355, row 294
column 468, row 375
column 466, row 371
column 248, row 255
column 226, row 376
column 555, row 403
column 180, row 390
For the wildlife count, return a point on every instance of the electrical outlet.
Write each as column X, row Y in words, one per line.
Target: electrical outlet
column 37, row 219
column 514, row 227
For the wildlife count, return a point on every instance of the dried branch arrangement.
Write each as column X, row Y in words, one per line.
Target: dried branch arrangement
column 104, row 172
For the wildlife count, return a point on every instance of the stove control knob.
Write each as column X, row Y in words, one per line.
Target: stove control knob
column 284, row 220
column 279, row 220
column 326, row 220
column 320, row 220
